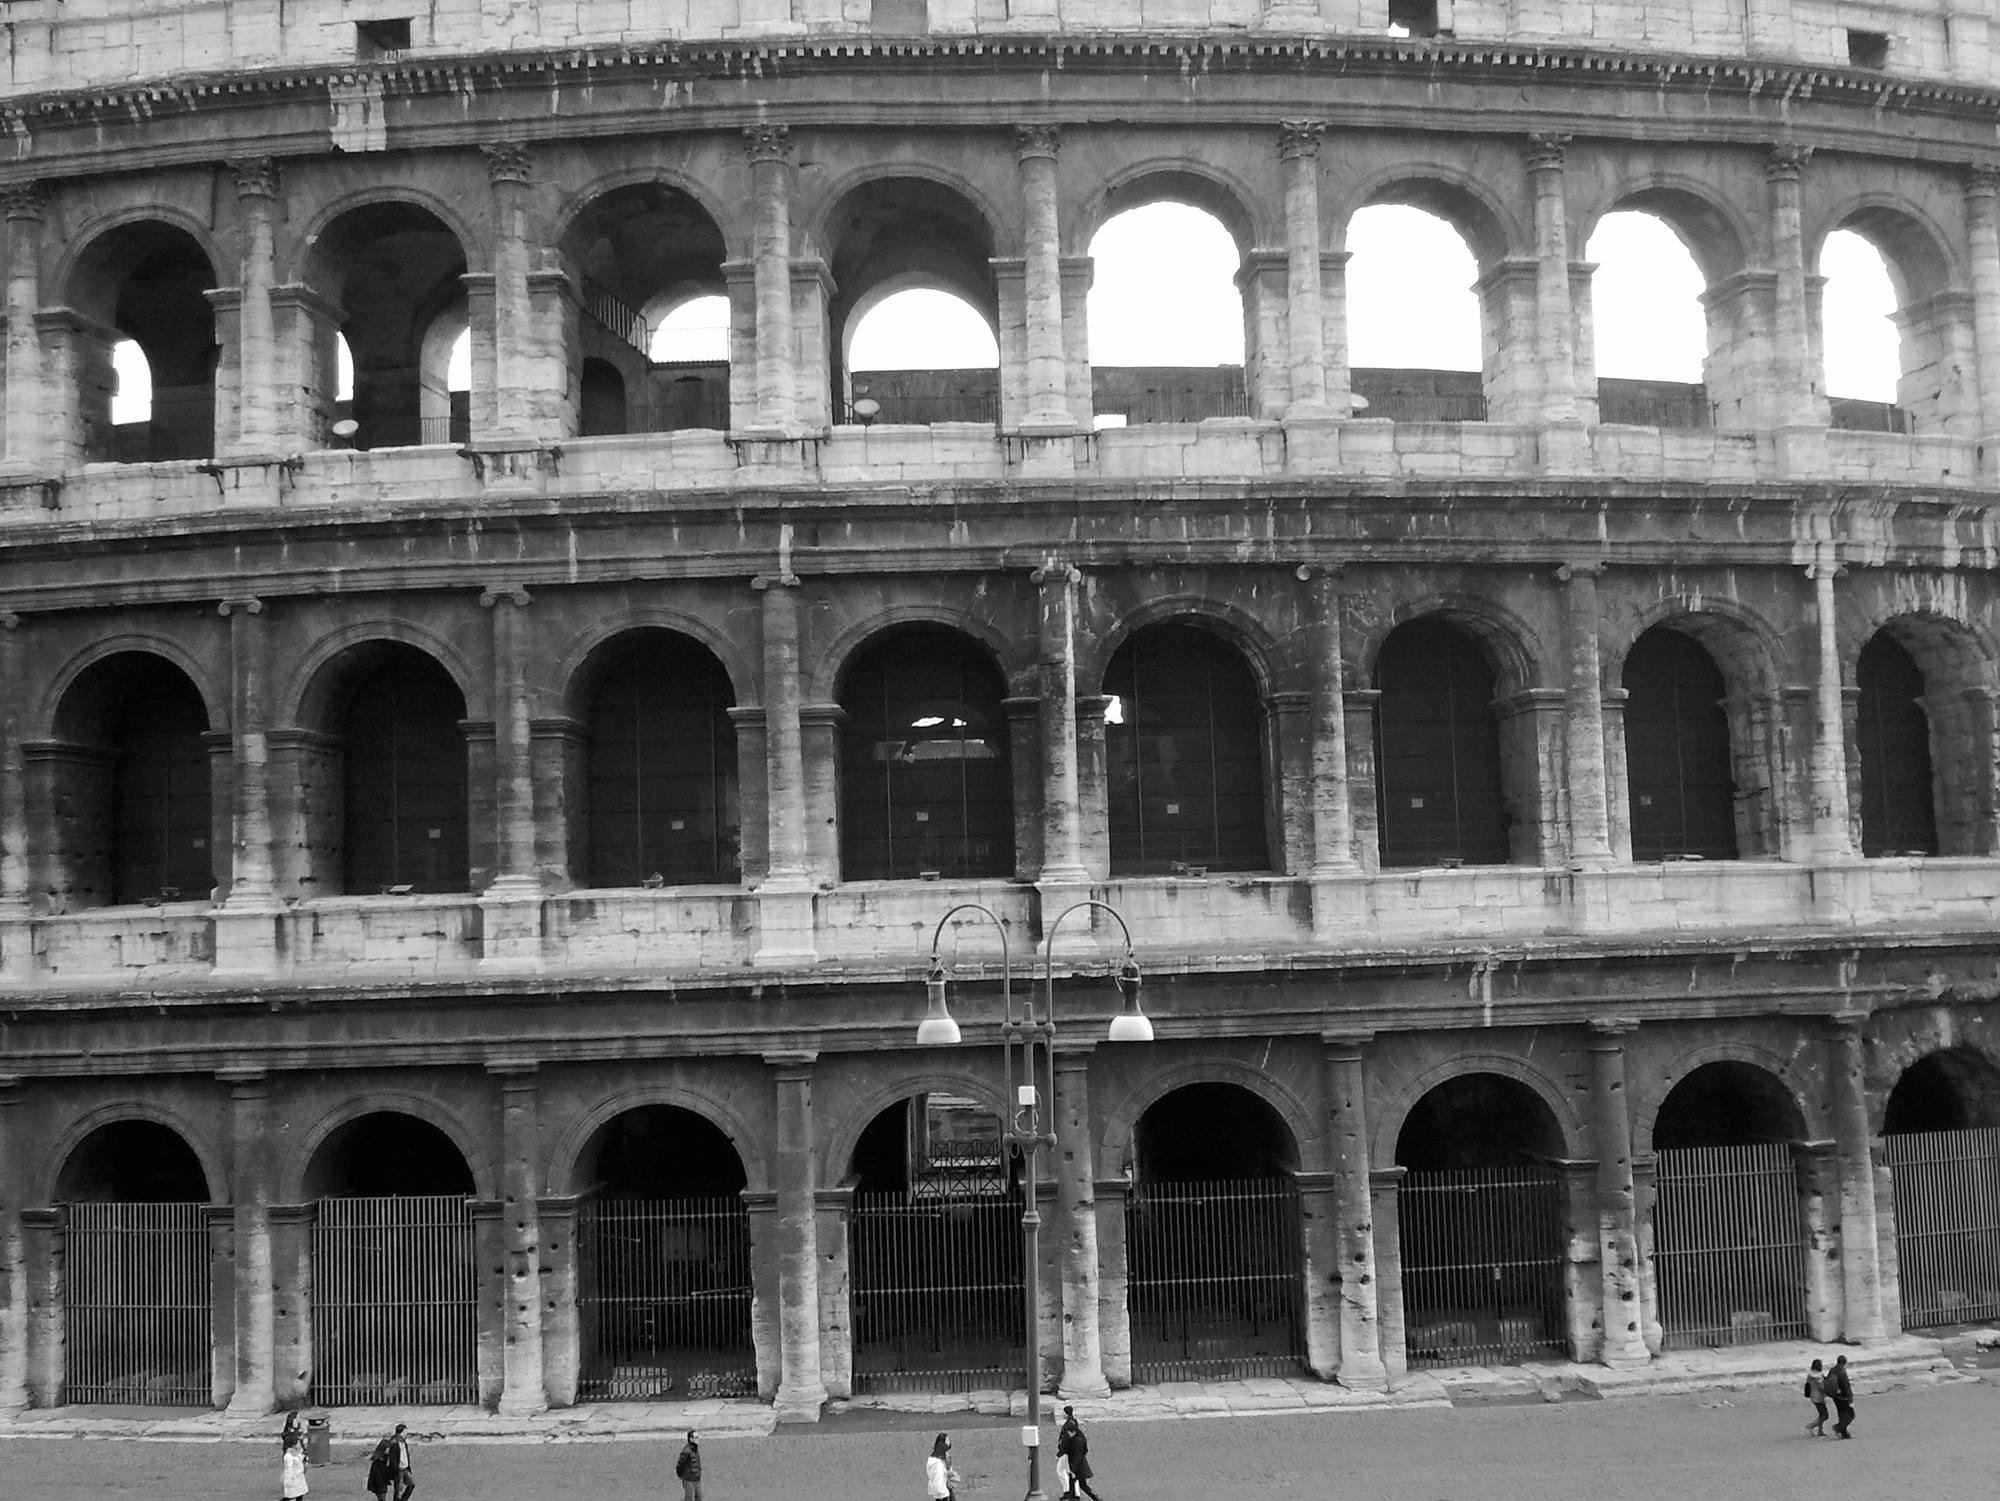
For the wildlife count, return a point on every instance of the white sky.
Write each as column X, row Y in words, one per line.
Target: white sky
column 1409, row 304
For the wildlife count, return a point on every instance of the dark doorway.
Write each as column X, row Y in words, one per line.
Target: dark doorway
column 1898, row 806
column 1683, row 789
column 603, row 399
column 662, row 766
column 405, row 777
column 1941, row 1141
column 1437, row 750
column 926, row 780
column 1184, row 749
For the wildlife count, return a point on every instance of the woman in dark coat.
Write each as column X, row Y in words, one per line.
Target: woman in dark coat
column 1074, row 1447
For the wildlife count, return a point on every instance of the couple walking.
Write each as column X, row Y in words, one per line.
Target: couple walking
column 941, row 1481
column 1836, row 1386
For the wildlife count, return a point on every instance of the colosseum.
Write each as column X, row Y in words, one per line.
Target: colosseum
column 475, row 853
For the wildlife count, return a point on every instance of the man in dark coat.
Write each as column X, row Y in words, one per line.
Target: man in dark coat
column 1841, row 1389
column 382, row 1468
column 688, row 1467
column 1074, row 1447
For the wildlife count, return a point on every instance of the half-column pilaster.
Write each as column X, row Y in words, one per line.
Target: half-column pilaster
column 801, row 1391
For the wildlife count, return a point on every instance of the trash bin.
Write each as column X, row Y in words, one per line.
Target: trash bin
column 319, row 1440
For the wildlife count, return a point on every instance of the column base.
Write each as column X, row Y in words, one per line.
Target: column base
column 17, row 946
column 1088, row 1385
column 252, row 1404
column 1364, row 1373
column 799, row 1404
column 511, row 925
column 785, row 928
column 1625, row 1360
column 1043, row 453
column 1312, row 440
column 1057, row 896
column 1802, row 452
column 526, row 1406
column 1564, row 448
column 246, row 939
column 1340, row 903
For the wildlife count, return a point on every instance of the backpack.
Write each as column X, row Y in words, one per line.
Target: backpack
column 681, row 1466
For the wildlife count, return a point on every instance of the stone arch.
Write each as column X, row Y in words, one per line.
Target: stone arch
column 1234, row 624
column 1646, row 1109
column 567, row 1150
column 1463, row 200
column 837, row 1156
column 1940, row 638
column 1012, row 658
column 906, row 281
column 209, row 1154
column 297, row 253
column 1221, row 194
column 1386, row 1123
column 87, row 242
column 214, row 696
column 1707, row 222
column 571, row 202
column 1121, row 1125
column 571, row 674
column 1919, row 253
column 303, row 700
column 1505, row 637
column 1745, row 644
column 293, row 1168
column 1956, row 659
column 811, row 227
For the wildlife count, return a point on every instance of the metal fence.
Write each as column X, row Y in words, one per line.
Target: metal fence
column 1482, row 1264
column 137, row 1299
column 1426, row 406
column 1215, row 1274
column 663, row 1299
column 609, row 310
column 1729, row 1246
column 894, row 408
column 1947, row 1193
column 937, row 1293
column 394, row 1302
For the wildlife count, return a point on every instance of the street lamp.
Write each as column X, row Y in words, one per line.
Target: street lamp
column 1024, row 1125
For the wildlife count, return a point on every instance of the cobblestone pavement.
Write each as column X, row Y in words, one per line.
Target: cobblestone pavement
column 1919, row 1441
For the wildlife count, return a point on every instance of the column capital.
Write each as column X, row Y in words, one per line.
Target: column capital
column 1327, row 573
column 10, row 620
column 1545, row 151
column 1607, row 1031
column 1846, row 1024
column 792, row 1063
column 256, row 177
column 1981, row 181
column 767, row 143
column 241, row 1081
column 23, row 200
column 1056, row 571
column 513, row 1072
column 508, row 161
column 1581, row 568
column 1298, row 140
column 1031, row 141
column 245, row 605
column 1784, row 163
column 1825, row 568
column 1343, row 1047
column 512, row 593
column 765, row 581
column 1074, row 1057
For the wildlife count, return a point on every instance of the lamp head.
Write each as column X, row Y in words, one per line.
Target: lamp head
column 937, row 1029
column 1130, row 1024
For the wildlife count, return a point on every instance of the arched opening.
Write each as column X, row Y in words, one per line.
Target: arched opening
column 935, row 1250
column 641, row 252
column 137, row 1291
column 1894, row 334
column 1679, row 768
column 145, row 284
column 897, row 236
column 1732, row 1202
column 603, row 398
column 1641, row 314
column 693, row 330
column 392, row 1210
column 1439, row 783
column 1184, row 751
column 444, row 377
column 660, row 775
column 1941, row 1141
column 393, row 275
column 1481, row 1214
column 1898, row 804
column 926, row 777
column 663, row 1260
column 1146, row 368
column 129, row 787
column 1414, row 317
column 918, row 356
column 402, row 772
column 1214, row 1255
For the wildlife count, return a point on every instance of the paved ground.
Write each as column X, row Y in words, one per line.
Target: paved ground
column 1919, row 1441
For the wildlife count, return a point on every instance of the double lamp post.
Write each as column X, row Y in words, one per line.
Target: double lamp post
column 1032, row 1036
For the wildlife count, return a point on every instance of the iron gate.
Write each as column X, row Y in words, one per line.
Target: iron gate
column 137, row 1298
column 1482, row 1264
column 663, row 1298
column 1213, row 1282
column 937, row 1293
column 1947, row 1190
column 1729, row 1246
column 394, row 1304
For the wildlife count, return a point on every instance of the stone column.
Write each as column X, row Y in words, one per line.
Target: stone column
column 1860, row 1268
column 1361, row 1365
column 835, row 1213
column 1555, row 320
column 1332, row 809
column 769, row 148
column 1583, row 720
column 1982, row 225
column 521, row 1389
column 13, row 1274
column 801, row 1392
column 1333, row 308
column 250, row 1198
column 1792, row 375
column 22, row 204
column 1305, row 317
column 562, row 1335
column 783, row 736
column 1048, row 397
column 508, row 166
column 1076, row 1203
column 1383, row 1183
column 1062, row 814
column 291, row 1276
column 251, row 879
column 257, row 392
column 1832, row 836
column 1617, row 1212
column 1093, row 784
column 512, row 902
column 17, row 957
column 1114, row 1314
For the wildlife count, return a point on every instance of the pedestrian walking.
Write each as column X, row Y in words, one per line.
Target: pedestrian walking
column 1816, row 1394
column 688, row 1467
column 294, row 1429
column 382, row 1468
column 941, row 1481
column 1840, row 1387
column 1073, row 1453
column 292, row 1468
column 401, row 1463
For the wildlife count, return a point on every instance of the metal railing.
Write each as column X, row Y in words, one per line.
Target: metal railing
column 1947, row 1194
column 1653, row 406
column 606, row 308
column 936, row 1293
column 1151, row 408
column 708, row 409
column 440, row 430
column 1482, row 1264
column 394, row 1302
column 137, row 1304
column 664, row 1299
column 1215, row 1273
column 1425, row 406
column 1729, row 1246
column 919, row 411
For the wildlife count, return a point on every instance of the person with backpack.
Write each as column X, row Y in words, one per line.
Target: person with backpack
column 381, row 1468
column 1841, row 1388
column 688, row 1467
column 1816, row 1394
